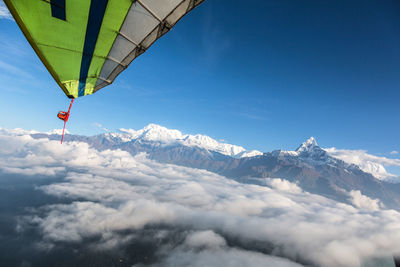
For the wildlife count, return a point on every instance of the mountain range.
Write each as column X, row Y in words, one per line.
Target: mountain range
column 313, row 168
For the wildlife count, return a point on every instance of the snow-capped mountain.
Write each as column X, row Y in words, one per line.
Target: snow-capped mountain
column 313, row 168
column 308, row 149
column 308, row 146
column 367, row 162
column 159, row 135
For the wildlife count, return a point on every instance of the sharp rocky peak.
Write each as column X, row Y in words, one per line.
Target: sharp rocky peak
column 308, row 145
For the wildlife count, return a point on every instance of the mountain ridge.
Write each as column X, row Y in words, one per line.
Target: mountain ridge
column 168, row 137
column 154, row 135
column 310, row 166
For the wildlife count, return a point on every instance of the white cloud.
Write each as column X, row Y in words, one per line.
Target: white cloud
column 100, row 126
column 207, row 239
column 112, row 192
column 367, row 162
column 363, row 202
column 394, row 152
column 4, row 13
column 283, row 185
column 58, row 131
column 218, row 256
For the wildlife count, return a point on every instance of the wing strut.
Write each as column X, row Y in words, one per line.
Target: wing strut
column 62, row 115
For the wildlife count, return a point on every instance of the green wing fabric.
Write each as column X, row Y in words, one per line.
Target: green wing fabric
column 85, row 44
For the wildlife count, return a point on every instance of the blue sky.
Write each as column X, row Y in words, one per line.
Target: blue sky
column 261, row 74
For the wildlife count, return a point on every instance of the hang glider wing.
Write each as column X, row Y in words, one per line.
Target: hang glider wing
column 85, row 44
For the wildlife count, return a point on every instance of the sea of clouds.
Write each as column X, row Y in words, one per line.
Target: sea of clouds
column 191, row 216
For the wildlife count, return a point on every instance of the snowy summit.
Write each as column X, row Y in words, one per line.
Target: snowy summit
column 308, row 145
column 167, row 137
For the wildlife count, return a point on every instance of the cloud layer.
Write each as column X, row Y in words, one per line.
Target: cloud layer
column 367, row 162
column 112, row 197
